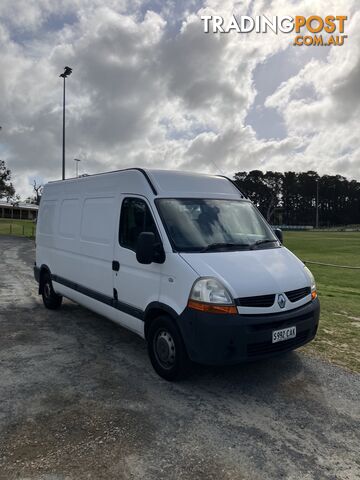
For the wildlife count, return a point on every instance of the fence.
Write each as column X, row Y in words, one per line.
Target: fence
column 23, row 229
column 294, row 227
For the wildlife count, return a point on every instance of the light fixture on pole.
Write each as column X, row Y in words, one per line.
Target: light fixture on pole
column 77, row 160
column 67, row 72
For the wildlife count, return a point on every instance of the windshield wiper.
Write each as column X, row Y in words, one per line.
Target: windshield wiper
column 261, row 242
column 215, row 246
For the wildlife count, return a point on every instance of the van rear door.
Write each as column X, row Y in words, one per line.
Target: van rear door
column 136, row 285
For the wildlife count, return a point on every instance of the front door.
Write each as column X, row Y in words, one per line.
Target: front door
column 135, row 285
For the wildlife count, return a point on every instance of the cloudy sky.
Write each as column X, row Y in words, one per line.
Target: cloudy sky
column 150, row 88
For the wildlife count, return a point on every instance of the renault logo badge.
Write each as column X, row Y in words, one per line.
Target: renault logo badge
column 281, row 300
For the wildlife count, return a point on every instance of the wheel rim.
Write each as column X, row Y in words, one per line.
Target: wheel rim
column 47, row 290
column 164, row 348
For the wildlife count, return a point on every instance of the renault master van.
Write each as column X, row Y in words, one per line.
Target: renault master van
column 184, row 260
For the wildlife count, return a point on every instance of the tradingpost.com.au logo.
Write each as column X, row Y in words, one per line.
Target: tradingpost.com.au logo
column 321, row 31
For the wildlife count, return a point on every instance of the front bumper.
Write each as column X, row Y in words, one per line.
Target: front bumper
column 216, row 339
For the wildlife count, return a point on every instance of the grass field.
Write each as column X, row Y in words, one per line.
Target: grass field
column 338, row 338
column 24, row 228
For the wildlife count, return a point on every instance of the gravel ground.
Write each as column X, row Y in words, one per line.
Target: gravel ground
column 79, row 400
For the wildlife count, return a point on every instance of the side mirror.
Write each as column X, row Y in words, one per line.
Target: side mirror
column 145, row 248
column 278, row 232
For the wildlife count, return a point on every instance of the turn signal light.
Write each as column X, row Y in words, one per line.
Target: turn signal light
column 313, row 294
column 212, row 308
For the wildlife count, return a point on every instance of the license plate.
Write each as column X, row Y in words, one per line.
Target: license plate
column 284, row 334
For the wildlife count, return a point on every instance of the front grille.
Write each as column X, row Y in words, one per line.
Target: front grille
column 264, row 348
column 261, row 301
column 295, row 295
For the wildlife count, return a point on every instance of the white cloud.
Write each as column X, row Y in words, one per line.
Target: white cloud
column 150, row 88
column 329, row 123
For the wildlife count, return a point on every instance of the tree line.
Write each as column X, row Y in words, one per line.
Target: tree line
column 291, row 198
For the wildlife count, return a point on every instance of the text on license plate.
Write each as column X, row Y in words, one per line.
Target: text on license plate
column 284, row 334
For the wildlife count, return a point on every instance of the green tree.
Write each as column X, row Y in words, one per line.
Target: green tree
column 264, row 189
column 7, row 189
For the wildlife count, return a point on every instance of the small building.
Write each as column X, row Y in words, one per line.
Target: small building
column 18, row 211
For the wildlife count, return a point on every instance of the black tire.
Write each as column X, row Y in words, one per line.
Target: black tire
column 166, row 349
column 51, row 299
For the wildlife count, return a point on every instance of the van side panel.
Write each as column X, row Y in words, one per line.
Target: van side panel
column 66, row 243
column 45, row 231
column 121, row 318
column 78, row 222
column 97, row 226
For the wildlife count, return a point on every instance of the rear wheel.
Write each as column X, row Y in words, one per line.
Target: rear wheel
column 167, row 350
column 51, row 299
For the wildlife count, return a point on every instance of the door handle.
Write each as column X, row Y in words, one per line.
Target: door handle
column 115, row 265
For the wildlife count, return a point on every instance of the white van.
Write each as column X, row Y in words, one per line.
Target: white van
column 186, row 261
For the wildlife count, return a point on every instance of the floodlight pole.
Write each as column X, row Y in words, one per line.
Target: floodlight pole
column 67, row 72
column 63, row 145
column 317, row 204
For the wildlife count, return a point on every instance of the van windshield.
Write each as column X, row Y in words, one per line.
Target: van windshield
column 199, row 225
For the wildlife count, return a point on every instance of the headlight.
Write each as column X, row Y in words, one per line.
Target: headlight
column 312, row 282
column 209, row 295
column 210, row 290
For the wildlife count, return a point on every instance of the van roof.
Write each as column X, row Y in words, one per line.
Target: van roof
column 170, row 182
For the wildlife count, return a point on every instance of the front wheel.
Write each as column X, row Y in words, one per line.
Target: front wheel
column 167, row 350
column 51, row 299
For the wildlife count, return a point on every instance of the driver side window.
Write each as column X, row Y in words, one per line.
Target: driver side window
column 135, row 218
